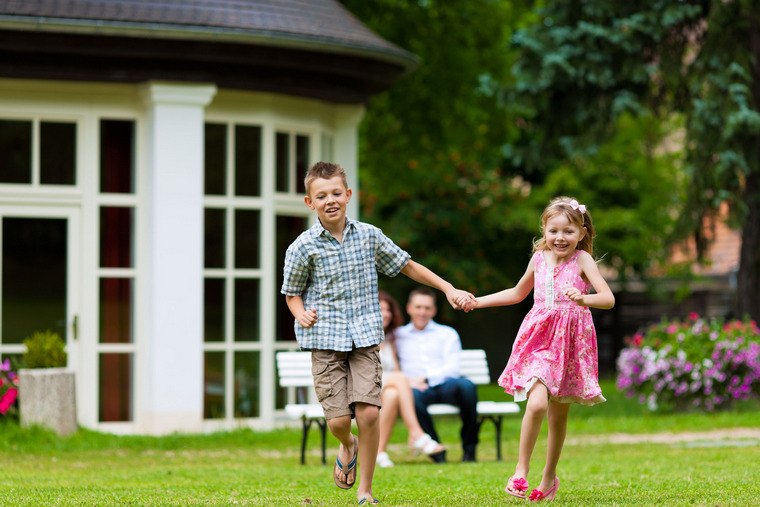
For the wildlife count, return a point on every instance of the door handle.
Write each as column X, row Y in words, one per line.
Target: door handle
column 75, row 328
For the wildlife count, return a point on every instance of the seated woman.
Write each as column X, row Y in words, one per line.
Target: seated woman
column 396, row 396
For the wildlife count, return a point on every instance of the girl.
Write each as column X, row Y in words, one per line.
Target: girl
column 554, row 357
column 397, row 396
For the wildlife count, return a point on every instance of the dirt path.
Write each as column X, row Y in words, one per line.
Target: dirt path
column 734, row 434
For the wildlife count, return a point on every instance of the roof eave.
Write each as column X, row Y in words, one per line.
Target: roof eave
column 404, row 59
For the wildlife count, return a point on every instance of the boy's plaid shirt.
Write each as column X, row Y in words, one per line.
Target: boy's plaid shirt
column 340, row 282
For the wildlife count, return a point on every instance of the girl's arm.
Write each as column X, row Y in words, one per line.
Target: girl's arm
column 603, row 299
column 306, row 318
column 508, row 296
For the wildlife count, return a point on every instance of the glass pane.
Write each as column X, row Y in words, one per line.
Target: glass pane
column 302, row 162
column 215, row 155
column 282, row 161
column 115, row 237
column 213, row 309
column 247, row 160
column 288, row 229
column 115, row 387
column 213, row 385
column 115, row 310
column 117, row 156
column 15, row 151
column 58, row 153
column 246, row 310
column 247, row 384
column 213, row 230
column 247, row 238
column 34, row 277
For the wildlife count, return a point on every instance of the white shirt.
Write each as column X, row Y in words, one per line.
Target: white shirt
column 431, row 353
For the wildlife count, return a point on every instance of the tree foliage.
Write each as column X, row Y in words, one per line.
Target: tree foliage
column 588, row 63
column 430, row 153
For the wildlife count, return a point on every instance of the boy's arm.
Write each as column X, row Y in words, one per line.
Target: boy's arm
column 423, row 275
column 306, row 318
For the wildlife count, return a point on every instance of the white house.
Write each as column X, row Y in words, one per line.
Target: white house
column 151, row 165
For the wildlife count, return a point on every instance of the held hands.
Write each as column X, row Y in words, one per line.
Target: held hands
column 459, row 299
column 308, row 318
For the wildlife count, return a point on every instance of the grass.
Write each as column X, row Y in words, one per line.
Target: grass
column 261, row 468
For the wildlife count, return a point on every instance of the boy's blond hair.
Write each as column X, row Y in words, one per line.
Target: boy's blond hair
column 324, row 170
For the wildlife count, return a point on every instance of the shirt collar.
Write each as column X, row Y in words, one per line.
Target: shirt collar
column 318, row 229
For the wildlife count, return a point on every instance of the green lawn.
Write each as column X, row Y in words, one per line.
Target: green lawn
column 261, row 468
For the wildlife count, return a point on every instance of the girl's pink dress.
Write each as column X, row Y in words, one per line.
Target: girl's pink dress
column 556, row 343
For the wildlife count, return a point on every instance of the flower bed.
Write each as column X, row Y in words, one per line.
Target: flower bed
column 697, row 364
column 8, row 389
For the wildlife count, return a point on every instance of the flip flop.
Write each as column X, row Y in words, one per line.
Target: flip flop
column 368, row 501
column 349, row 470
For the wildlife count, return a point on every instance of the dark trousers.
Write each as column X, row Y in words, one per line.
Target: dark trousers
column 459, row 392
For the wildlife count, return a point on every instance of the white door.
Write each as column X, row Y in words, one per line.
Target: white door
column 39, row 277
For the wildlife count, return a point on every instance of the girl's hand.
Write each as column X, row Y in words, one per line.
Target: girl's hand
column 308, row 318
column 575, row 295
column 469, row 304
column 458, row 298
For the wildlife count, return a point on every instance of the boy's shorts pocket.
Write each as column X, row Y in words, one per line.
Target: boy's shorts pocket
column 323, row 384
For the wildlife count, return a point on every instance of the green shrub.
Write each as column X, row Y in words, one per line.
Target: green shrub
column 44, row 349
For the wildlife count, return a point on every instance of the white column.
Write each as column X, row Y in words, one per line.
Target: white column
column 169, row 299
column 346, row 154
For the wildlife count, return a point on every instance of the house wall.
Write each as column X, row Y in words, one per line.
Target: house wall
column 187, row 358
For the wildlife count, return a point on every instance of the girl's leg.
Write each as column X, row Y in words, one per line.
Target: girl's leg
column 538, row 403
column 557, row 419
column 341, row 428
column 388, row 414
column 367, row 419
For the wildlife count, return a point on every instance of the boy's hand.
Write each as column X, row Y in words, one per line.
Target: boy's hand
column 459, row 298
column 308, row 318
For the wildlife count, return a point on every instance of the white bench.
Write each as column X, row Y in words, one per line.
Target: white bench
column 294, row 371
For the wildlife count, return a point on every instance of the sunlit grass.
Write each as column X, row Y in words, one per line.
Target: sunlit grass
column 261, row 468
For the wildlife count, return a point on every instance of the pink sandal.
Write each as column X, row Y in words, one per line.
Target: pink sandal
column 539, row 496
column 519, row 487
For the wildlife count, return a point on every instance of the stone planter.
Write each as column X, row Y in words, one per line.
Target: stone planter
column 46, row 397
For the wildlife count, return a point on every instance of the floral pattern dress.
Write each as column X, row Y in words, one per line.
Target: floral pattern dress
column 556, row 343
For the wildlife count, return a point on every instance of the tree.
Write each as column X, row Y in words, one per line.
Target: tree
column 586, row 64
column 430, row 148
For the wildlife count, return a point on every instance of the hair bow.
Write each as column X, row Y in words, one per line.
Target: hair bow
column 580, row 207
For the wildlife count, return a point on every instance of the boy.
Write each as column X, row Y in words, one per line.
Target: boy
column 330, row 286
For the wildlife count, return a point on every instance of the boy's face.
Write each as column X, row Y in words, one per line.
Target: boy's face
column 329, row 198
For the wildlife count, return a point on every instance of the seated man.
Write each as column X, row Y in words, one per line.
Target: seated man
column 428, row 354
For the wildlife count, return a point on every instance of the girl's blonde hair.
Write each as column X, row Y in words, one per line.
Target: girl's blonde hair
column 576, row 214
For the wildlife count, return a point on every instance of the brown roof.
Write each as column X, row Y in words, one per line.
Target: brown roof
column 312, row 48
column 280, row 22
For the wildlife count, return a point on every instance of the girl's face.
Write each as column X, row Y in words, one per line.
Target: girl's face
column 385, row 310
column 562, row 236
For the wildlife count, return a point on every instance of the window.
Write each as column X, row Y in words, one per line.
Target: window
column 232, row 274
column 55, row 162
column 291, row 161
column 116, row 270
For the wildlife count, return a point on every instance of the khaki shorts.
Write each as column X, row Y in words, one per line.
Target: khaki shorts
column 342, row 379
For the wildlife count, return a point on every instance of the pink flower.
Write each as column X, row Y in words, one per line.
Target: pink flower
column 520, row 484
column 536, row 495
column 7, row 400
column 693, row 316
